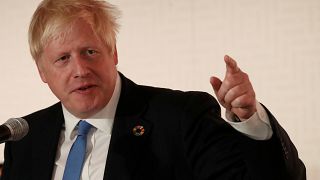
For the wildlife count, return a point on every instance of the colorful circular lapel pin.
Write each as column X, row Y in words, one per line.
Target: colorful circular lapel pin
column 138, row 130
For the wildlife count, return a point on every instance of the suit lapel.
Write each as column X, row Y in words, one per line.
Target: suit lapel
column 45, row 140
column 126, row 149
column 127, row 152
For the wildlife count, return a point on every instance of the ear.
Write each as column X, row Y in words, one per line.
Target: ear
column 41, row 72
column 115, row 55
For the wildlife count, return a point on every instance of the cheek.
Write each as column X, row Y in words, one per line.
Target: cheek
column 57, row 81
column 59, row 89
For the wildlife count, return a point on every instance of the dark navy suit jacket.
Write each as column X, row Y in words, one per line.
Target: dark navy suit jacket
column 184, row 139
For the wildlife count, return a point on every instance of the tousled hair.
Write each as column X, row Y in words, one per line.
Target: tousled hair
column 53, row 18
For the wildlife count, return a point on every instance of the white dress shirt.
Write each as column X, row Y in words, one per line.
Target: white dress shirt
column 256, row 127
column 98, row 139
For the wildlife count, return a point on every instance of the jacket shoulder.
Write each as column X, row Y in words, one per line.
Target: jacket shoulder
column 47, row 113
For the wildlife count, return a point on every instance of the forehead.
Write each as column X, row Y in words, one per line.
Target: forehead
column 73, row 38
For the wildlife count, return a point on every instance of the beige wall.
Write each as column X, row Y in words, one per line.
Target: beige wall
column 180, row 43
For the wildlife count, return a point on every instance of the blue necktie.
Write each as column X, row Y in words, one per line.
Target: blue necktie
column 77, row 153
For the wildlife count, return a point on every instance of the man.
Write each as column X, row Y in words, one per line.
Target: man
column 138, row 132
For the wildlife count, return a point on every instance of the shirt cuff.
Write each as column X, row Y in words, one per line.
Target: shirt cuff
column 256, row 127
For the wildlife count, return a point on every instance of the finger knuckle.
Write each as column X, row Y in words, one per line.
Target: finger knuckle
column 227, row 83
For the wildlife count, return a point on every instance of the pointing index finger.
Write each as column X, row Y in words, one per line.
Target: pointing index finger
column 231, row 65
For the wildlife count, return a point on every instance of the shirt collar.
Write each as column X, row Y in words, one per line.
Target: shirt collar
column 103, row 120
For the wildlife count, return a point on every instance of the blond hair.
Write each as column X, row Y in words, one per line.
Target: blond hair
column 52, row 17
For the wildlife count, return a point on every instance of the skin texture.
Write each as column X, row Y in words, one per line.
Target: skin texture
column 79, row 70
column 235, row 92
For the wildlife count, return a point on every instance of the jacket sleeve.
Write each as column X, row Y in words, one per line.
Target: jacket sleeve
column 216, row 151
column 294, row 166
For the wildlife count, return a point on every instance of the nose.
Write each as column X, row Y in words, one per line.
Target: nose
column 80, row 67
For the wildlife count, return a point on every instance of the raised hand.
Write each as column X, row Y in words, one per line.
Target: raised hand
column 235, row 92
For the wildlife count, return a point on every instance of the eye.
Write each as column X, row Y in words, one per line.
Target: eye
column 91, row 52
column 63, row 58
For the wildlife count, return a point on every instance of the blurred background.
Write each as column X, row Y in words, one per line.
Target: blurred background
column 179, row 44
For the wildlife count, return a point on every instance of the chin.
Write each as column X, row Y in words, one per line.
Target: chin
column 82, row 111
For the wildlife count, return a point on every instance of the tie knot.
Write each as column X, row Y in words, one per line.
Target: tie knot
column 84, row 128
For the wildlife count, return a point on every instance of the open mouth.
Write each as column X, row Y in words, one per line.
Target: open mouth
column 85, row 88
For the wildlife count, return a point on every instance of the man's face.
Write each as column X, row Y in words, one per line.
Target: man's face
column 79, row 70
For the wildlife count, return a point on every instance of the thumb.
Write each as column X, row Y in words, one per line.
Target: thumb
column 215, row 83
